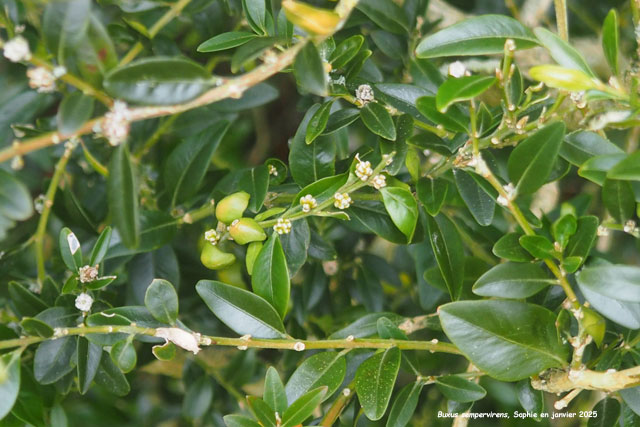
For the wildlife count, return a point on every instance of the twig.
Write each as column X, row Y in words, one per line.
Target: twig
column 561, row 19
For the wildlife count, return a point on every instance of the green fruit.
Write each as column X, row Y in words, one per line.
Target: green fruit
column 246, row 230
column 252, row 253
column 594, row 324
column 231, row 207
column 214, row 259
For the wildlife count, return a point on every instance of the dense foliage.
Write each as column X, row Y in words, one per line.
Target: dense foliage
column 276, row 213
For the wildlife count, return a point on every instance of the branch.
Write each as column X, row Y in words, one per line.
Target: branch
column 559, row 381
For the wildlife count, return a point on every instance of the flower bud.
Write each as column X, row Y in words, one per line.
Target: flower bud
column 214, row 259
column 231, row 207
column 246, row 230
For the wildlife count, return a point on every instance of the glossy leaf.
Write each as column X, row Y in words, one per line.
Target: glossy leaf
column 318, row 122
column 15, row 200
column 35, row 327
column 374, row 382
column 270, row 276
column 608, row 413
column 89, row 356
column 53, row 359
column 478, row 35
column 345, row 51
column 453, row 120
column 512, row 280
column 480, row 204
column 161, row 300
column 70, row 249
column 303, row 407
column 123, row 197
column 309, row 71
column 226, row 41
column 508, row 247
column 378, row 120
column 460, row 389
column 158, row 80
column 322, row 369
column 582, row 241
column 448, row 250
column 619, row 199
column 274, row 394
column 242, row 311
column 563, row 78
column 124, row 355
column 101, row 247
column 65, row 24
column 538, row 246
column 519, row 339
column 530, row 399
column 531, row 162
column 404, row 405
column 111, row 378
column 402, row 208
column 580, row 146
column 610, row 40
column 75, row 109
column 10, row 385
column 462, row 89
column 387, row 15
column 627, row 169
column 562, row 52
column 432, row 194
column 621, row 282
column 198, row 398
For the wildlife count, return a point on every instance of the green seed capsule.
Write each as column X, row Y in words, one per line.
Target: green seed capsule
column 214, row 259
column 231, row 207
column 246, row 230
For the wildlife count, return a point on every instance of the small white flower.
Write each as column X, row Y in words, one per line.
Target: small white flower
column 88, row 273
column 212, row 236
column 629, row 226
column 41, row 79
column 363, row 170
column 283, row 226
column 59, row 71
column 602, row 231
column 502, row 201
column 379, row 182
column 330, row 267
column 579, row 99
column 84, row 302
column 39, row 202
column 180, row 337
column 341, row 200
column 364, row 94
column 115, row 125
column 17, row 163
column 308, row 202
column 17, row 49
column 273, row 171
column 457, row 69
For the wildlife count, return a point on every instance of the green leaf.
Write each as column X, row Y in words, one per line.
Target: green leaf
column 404, row 405
column 580, row 146
column 560, row 77
column 366, row 325
column 54, row 359
column 198, row 398
column 255, row 181
column 323, row 369
column 374, row 382
column 303, row 407
column 318, row 122
column 480, row 204
column 256, row 13
column 161, row 300
column 164, row 352
column 512, row 280
column 111, row 378
column 508, row 247
column 608, row 412
column 518, row 339
column 309, row 71
column 89, row 356
column 610, row 40
column 402, row 96
column 323, row 189
column 70, row 249
column 234, row 420
column 596, row 168
column 453, row 121
column 531, row 162
column 389, row 330
column 75, row 109
column 310, row 162
column 240, row 310
column 402, row 208
column 628, row 169
column 188, row 163
column 461, row 89
column 122, row 192
column 460, row 389
column 15, row 201
column 619, row 199
column 530, row 399
column 35, row 327
column 432, row 194
column 538, row 246
column 480, row 35
column 101, row 247
column 563, row 228
column 341, row 119
column 582, row 241
column 372, row 217
column 387, row 15
column 251, row 51
column 295, row 245
column 158, row 81
column 378, row 120
column 65, row 24
column 274, row 394
column 447, row 247
column 562, row 52
column 621, row 282
column 226, row 41
column 263, row 413
column 25, row 302
column 270, row 276
column 10, row 385
column 345, row 51
column 124, row 355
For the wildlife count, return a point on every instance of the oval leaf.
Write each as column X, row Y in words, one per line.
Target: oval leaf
column 374, row 382
column 511, row 280
column 270, row 276
column 161, row 300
